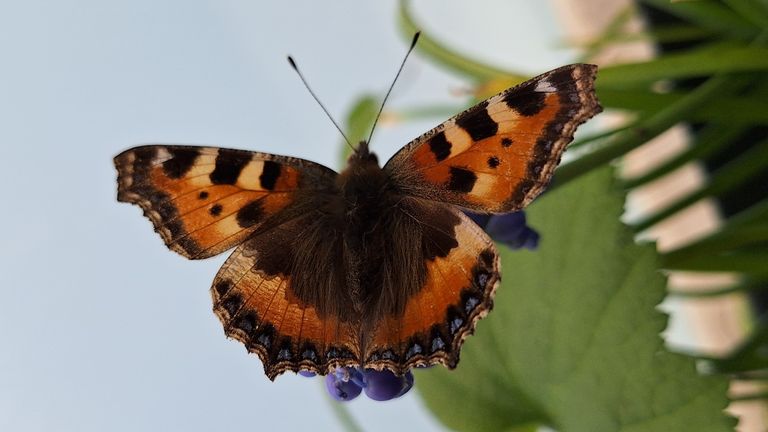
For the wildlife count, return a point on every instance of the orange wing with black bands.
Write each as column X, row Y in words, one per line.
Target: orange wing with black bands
column 262, row 310
column 500, row 154
column 205, row 200
column 458, row 291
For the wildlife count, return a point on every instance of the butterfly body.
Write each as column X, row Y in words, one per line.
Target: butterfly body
column 376, row 267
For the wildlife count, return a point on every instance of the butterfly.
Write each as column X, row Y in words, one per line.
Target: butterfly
column 374, row 267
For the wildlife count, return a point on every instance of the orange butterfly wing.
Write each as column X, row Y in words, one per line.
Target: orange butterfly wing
column 458, row 291
column 204, row 200
column 260, row 307
column 497, row 156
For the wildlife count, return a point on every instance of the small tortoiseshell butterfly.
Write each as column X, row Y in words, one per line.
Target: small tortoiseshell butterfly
column 371, row 267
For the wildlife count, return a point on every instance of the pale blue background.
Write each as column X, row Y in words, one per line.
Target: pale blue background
column 101, row 327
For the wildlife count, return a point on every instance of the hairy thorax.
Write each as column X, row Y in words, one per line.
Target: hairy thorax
column 386, row 247
column 368, row 202
column 364, row 188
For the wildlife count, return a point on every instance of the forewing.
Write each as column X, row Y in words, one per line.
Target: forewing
column 500, row 154
column 204, row 200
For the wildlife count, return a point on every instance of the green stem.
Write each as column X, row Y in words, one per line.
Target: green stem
column 601, row 135
column 727, row 239
column 752, row 376
column 712, row 59
column 756, row 213
column 727, row 110
column 342, row 413
column 750, row 397
column 752, row 263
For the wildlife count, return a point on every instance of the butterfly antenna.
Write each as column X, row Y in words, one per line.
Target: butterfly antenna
column 296, row 68
column 413, row 44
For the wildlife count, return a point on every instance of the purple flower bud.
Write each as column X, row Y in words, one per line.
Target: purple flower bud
column 306, row 373
column 509, row 229
column 385, row 385
column 480, row 219
column 341, row 386
column 346, row 383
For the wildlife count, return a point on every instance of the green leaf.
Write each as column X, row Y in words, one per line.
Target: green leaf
column 728, row 109
column 751, row 262
column 674, row 33
column 727, row 239
column 573, row 341
column 708, row 14
column 709, row 60
column 750, row 10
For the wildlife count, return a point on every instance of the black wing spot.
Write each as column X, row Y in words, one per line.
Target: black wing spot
column 525, row 99
column 493, row 162
column 462, row 180
column 180, row 163
column 506, row 142
column 269, row 175
column 250, row 214
column 522, row 189
column 487, row 257
column 229, row 164
column 477, row 122
column 202, row 195
column 215, row 210
column 440, row 146
column 232, row 304
column 223, row 286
